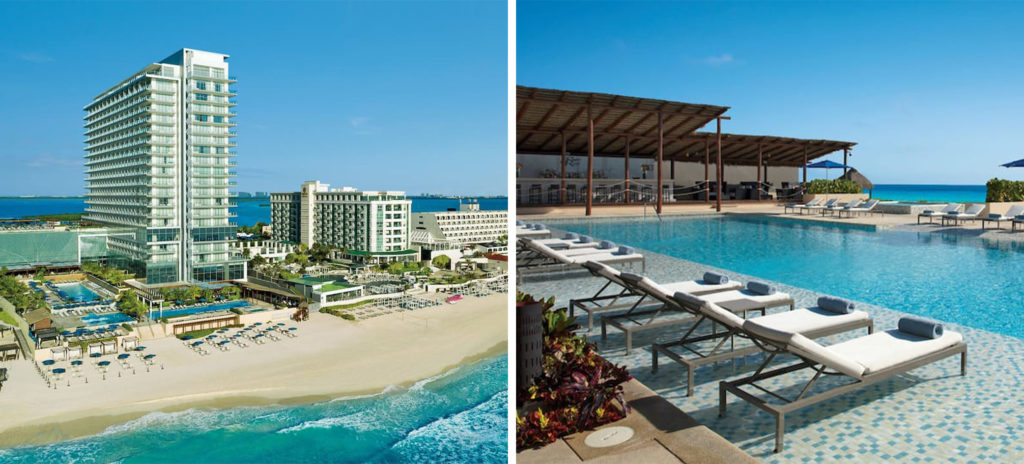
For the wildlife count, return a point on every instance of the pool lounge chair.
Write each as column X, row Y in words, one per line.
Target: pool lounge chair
column 829, row 317
column 546, row 259
column 533, row 231
column 741, row 301
column 865, row 360
column 836, row 207
column 831, row 202
column 928, row 213
column 617, row 294
column 1019, row 219
column 866, row 208
column 569, row 241
column 970, row 215
column 795, row 206
column 1009, row 215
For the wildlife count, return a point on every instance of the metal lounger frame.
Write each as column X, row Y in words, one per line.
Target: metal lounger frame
column 714, row 355
column 789, row 405
column 599, row 302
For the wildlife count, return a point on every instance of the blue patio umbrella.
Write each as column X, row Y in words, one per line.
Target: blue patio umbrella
column 140, row 348
column 826, row 165
column 48, row 362
column 104, row 363
column 59, row 370
column 76, row 362
column 122, row 356
column 149, row 356
column 94, row 355
column 197, row 343
column 1014, row 164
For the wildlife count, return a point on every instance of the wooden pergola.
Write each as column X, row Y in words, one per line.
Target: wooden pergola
column 558, row 122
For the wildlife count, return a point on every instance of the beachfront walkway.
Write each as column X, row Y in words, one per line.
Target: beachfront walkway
column 931, row 415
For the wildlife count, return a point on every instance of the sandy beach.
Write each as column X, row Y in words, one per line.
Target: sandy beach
column 330, row 358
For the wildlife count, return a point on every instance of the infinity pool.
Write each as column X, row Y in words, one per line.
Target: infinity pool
column 78, row 292
column 168, row 313
column 967, row 280
column 91, row 320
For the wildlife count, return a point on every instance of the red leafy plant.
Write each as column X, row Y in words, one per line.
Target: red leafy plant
column 578, row 389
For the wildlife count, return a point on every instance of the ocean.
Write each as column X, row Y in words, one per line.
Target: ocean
column 250, row 211
column 934, row 193
column 459, row 416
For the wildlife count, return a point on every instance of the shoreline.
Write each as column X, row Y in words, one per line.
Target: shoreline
column 293, row 388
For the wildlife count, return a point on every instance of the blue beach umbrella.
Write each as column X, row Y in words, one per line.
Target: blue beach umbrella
column 104, row 363
column 826, row 165
column 122, row 356
column 149, row 356
column 1014, row 164
column 59, row 370
column 48, row 362
column 76, row 363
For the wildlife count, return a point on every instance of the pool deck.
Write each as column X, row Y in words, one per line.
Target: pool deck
column 929, row 415
column 901, row 222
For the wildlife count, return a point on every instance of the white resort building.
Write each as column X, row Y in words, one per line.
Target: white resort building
column 460, row 229
column 159, row 149
column 367, row 226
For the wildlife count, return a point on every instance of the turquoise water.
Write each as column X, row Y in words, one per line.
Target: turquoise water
column 934, row 193
column 92, row 320
column 948, row 277
column 249, row 211
column 458, row 417
column 200, row 309
column 78, row 292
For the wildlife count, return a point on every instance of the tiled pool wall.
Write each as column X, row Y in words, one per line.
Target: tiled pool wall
column 931, row 414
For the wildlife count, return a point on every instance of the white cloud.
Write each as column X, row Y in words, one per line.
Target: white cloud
column 37, row 58
column 720, row 60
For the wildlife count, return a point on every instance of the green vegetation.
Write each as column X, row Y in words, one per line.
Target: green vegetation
column 196, row 334
column 112, row 275
column 833, row 186
column 191, row 294
column 18, row 294
column 399, row 268
column 127, row 328
column 256, row 230
column 129, row 304
column 85, row 344
column 67, row 217
column 40, row 275
column 442, row 261
column 7, row 319
column 1004, row 190
column 338, row 310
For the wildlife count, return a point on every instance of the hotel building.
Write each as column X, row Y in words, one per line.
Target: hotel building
column 159, row 149
column 458, row 229
column 368, row 226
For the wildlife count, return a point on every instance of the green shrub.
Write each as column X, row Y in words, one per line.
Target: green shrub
column 348, row 317
column 833, row 186
column 236, row 310
column 127, row 327
column 1004, row 190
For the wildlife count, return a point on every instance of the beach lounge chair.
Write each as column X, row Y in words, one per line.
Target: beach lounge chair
column 830, row 202
column 831, row 316
column 929, row 213
column 741, row 301
column 958, row 217
column 837, row 207
column 796, row 206
column 1009, row 215
column 1018, row 219
column 864, row 360
column 617, row 294
column 860, row 209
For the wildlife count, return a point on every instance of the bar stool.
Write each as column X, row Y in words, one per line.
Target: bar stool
column 553, row 197
column 535, row 194
column 570, row 194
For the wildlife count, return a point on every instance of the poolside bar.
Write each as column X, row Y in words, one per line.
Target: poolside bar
column 567, row 124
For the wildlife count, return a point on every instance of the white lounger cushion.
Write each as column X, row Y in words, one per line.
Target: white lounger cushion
column 571, row 252
column 882, row 350
column 532, row 233
column 802, row 320
column 698, row 287
column 605, row 258
column 745, row 299
column 571, row 243
column 720, row 314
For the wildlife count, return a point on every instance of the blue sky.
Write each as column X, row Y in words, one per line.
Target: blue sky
column 408, row 96
column 931, row 92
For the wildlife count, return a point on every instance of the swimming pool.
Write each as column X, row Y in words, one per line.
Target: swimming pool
column 91, row 320
column 967, row 280
column 168, row 313
column 78, row 292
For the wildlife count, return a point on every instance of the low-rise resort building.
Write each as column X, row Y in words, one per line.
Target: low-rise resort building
column 460, row 228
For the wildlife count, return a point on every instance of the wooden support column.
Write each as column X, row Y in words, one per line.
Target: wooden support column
column 718, row 177
column 805, row 165
column 760, row 161
column 846, row 153
column 590, row 160
column 707, row 161
column 661, row 147
column 626, row 187
column 561, row 193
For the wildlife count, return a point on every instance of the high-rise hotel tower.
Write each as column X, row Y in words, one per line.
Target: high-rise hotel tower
column 159, row 165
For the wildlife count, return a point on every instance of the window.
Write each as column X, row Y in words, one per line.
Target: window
column 202, row 85
column 218, row 119
column 201, row 96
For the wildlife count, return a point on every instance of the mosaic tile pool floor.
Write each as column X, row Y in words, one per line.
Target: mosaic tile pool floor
column 931, row 414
